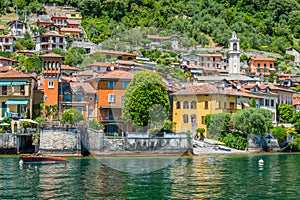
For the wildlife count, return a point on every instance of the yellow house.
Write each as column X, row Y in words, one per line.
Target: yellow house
column 74, row 16
column 192, row 104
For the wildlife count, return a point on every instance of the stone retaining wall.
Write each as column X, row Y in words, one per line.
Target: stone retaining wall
column 97, row 144
column 58, row 141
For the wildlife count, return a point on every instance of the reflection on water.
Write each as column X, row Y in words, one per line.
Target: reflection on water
column 211, row 177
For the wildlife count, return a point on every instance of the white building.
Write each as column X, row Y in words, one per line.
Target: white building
column 234, row 55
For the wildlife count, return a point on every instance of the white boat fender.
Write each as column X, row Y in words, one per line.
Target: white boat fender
column 261, row 161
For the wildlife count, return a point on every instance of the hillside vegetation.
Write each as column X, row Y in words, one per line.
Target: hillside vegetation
column 269, row 25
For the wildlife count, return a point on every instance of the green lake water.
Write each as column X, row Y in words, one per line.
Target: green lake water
column 203, row 177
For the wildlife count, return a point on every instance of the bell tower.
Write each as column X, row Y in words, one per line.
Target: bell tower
column 51, row 70
column 234, row 55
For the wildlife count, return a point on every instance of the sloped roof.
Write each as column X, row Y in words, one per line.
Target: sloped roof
column 262, row 59
column 51, row 54
column 70, row 29
column 14, row 74
column 87, row 87
column 117, row 74
column 8, row 59
column 101, row 64
column 67, row 67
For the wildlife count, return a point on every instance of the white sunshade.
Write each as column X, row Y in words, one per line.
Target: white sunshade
column 28, row 120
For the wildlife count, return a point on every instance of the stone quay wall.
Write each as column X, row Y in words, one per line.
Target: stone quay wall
column 58, row 141
column 138, row 143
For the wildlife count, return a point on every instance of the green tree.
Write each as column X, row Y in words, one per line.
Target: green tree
column 253, row 103
column 145, row 99
column 95, row 125
column 285, row 112
column 78, row 116
column 296, row 120
column 217, row 123
column 68, row 116
column 253, row 121
column 280, row 133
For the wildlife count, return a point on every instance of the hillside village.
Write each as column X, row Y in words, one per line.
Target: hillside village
column 217, row 79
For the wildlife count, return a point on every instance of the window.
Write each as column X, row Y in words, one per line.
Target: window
column 272, row 103
column 234, row 46
column 50, row 84
column 219, row 104
column 258, row 70
column 185, row 105
column 225, row 105
column 111, row 84
column 193, row 105
column 193, row 118
column 80, row 109
column 111, row 98
column 271, row 65
column 267, row 102
column 185, row 118
column 79, row 97
column 202, row 119
column 265, row 65
column 67, row 97
column 206, row 105
column 258, row 65
column 125, row 84
column 178, row 105
column 4, row 90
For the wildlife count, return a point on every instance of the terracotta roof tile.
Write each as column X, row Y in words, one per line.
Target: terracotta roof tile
column 70, row 30
column 6, row 36
column 67, row 67
column 74, row 22
column 14, row 74
column 87, row 87
column 263, row 59
column 127, row 62
column 51, row 54
column 117, row 74
column 8, row 59
column 101, row 64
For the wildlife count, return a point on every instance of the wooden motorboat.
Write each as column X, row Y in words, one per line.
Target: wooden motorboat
column 43, row 160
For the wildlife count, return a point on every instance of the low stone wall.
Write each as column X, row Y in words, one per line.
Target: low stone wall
column 97, row 144
column 59, row 141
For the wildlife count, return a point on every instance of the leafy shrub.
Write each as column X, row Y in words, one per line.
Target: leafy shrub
column 95, row 125
column 280, row 133
column 234, row 140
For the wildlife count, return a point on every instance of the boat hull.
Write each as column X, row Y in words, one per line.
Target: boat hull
column 42, row 160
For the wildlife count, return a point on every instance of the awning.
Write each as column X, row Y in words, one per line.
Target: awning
column 28, row 120
column 4, row 83
column 247, row 105
column 16, row 102
column 18, row 83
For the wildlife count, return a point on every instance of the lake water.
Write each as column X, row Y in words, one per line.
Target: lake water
column 210, row 177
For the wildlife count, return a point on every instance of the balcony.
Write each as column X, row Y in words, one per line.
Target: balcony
column 111, row 119
column 15, row 115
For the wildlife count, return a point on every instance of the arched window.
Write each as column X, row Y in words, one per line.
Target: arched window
column 234, row 46
column 178, row 105
column 193, row 118
column 193, row 105
column 185, row 105
column 79, row 97
column 67, row 97
column 185, row 118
